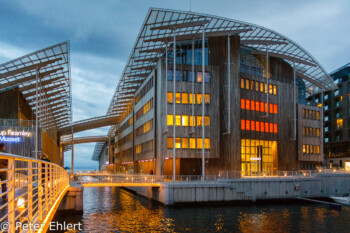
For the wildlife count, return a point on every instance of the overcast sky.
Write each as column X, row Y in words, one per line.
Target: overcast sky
column 102, row 34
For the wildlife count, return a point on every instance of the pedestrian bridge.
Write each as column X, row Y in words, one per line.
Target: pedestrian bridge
column 34, row 191
column 103, row 179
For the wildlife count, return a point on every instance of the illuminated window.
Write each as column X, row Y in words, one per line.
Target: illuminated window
column 257, row 126
column 192, row 143
column 311, row 149
column 192, row 121
column 257, row 86
column 247, row 104
column 192, row 98
column 243, row 124
column 307, row 149
column 252, row 104
column 271, row 127
column 265, row 107
column 257, row 105
column 274, row 89
column 275, row 109
column 207, row 121
column 178, row 120
column 266, row 127
column 318, row 132
column 199, row 77
column 199, row 143
column 185, row 98
column 170, row 120
column 252, row 124
column 247, row 124
column 261, row 106
column 170, row 143
column 138, row 149
column 275, row 130
column 304, row 131
column 130, row 121
column 304, row 149
column 242, row 103
column 184, row 143
column 207, row 98
column 247, row 84
column 199, row 98
column 207, row 143
column 252, row 85
column 170, row 97
column 339, row 123
column 177, row 142
column 270, row 89
column 178, row 98
column 318, row 115
column 199, row 121
column 261, row 87
column 242, row 82
column 262, row 127
column 265, row 86
column 184, row 120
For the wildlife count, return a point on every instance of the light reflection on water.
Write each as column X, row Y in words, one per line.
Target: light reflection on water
column 110, row 209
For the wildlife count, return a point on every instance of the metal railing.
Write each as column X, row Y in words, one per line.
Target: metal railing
column 90, row 177
column 31, row 190
column 17, row 122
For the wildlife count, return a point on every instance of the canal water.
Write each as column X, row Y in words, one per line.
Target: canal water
column 110, row 209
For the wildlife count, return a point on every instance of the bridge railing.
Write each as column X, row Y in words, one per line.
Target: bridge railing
column 31, row 189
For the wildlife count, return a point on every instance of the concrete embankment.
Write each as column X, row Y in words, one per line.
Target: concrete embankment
column 247, row 189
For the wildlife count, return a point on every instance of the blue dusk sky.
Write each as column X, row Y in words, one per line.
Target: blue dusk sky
column 102, row 34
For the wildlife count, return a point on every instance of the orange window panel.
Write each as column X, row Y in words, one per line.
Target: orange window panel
column 266, row 127
column 243, row 124
column 275, row 109
column 262, row 127
column 261, row 106
column 247, row 104
column 247, row 124
column 252, row 105
column 275, row 130
column 253, row 125
column 257, row 126
column 271, row 127
column 271, row 108
column 242, row 103
column 265, row 107
column 257, row 105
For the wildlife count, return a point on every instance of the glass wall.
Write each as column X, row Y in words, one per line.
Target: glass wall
column 258, row 157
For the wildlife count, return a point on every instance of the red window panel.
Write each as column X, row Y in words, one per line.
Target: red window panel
column 257, row 126
column 261, row 106
column 271, row 127
column 262, row 127
column 242, row 103
column 265, row 107
column 243, row 124
column 271, row 108
column 247, row 104
column 257, row 105
column 266, row 127
column 253, row 125
column 252, row 105
column 275, row 109
column 247, row 124
column 275, row 130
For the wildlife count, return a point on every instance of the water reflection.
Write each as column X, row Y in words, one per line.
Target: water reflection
column 110, row 209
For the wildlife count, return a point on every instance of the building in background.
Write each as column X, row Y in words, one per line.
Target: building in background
column 251, row 116
column 36, row 88
column 336, row 119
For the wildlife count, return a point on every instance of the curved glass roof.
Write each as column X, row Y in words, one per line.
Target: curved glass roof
column 158, row 29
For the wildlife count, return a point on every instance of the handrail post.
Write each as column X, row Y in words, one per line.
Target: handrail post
column 30, row 191
column 46, row 188
column 40, row 192
column 11, row 193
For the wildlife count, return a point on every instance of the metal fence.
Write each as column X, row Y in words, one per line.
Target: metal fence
column 30, row 190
